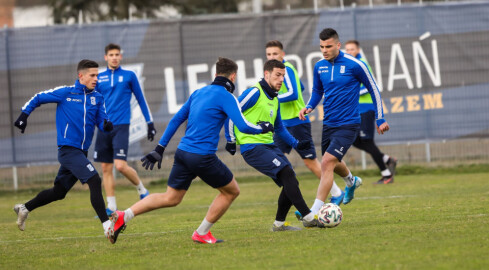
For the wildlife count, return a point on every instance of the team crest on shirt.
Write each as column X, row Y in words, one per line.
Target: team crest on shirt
column 121, row 78
column 271, row 114
column 342, row 69
column 93, row 101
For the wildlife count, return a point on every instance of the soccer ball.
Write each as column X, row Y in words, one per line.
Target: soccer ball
column 330, row 215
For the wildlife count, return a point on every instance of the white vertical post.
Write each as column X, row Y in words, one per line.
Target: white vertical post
column 342, row 5
column 14, row 177
column 316, row 6
column 428, row 152
column 398, row 2
column 364, row 160
column 370, row 3
column 257, row 6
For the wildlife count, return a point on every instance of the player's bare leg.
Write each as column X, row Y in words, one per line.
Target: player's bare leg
column 131, row 174
column 218, row 207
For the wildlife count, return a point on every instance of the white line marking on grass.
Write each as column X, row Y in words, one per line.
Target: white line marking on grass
column 86, row 237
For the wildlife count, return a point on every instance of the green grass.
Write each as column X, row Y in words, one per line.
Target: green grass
column 423, row 221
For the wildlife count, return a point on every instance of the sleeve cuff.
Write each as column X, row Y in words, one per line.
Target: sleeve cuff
column 380, row 121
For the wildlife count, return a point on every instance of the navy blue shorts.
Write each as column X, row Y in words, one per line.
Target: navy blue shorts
column 74, row 166
column 267, row 159
column 367, row 127
column 337, row 140
column 187, row 166
column 300, row 132
column 112, row 145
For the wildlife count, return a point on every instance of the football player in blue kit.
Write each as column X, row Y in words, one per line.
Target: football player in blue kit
column 79, row 110
column 337, row 78
column 205, row 112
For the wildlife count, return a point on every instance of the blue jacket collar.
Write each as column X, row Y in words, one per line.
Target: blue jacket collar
column 117, row 69
column 339, row 57
column 81, row 87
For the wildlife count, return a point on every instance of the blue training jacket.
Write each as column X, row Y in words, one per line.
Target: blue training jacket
column 117, row 86
column 206, row 111
column 79, row 110
column 339, row 81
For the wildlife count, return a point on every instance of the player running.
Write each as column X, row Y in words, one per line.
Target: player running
column 206, row 111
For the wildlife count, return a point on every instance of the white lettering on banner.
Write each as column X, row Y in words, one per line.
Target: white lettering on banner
column 434, row 72
column 396, row 58
column 171, row 96
column 378, row 77
column 396, row 53
column 243, row 82
column 192, row 71
column 310, row 67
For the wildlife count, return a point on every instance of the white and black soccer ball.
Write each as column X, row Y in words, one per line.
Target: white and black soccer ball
column 330, row 215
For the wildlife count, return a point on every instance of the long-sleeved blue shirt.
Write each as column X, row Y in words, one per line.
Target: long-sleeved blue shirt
column 78, row 111
column 247, row 100
column 339, row 81
column 117, row 86
column 206, row 111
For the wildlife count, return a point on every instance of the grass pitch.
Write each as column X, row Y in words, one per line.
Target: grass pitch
column 423, row 221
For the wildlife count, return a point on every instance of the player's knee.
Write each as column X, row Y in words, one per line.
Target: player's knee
column 94, row 180
column 59, row 192
column 121, row 166
column 328, row 161
column 287, row 176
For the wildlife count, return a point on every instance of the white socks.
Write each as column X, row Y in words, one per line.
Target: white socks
column 278, row 223
column 385, row 158
column 335, row 190
column 204, row 227
column 106, row 225
column 349, row 179
column 309, row 217
column 316, row 206
column 128, row 215
column 111, row 204
column 386, row 172
column 141, row 189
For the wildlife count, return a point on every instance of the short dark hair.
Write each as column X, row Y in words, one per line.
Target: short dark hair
column 274, row 43
column 85, row 64
column 271, row 64
column 225, row 66
column 112, row 46
column 328, row 33
column 353, row 41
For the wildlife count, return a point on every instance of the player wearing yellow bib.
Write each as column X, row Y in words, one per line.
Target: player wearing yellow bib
column 291, row 102
column 259, row 104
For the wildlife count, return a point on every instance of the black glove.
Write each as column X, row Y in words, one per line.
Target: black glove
column 21, row 122
column 303, row 145
column 266, row 126
column 150, row 159
column 151, row 132
column 231, row 147
column 108, row 126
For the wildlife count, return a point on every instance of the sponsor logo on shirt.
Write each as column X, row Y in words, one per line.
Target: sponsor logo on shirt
column 73, row 99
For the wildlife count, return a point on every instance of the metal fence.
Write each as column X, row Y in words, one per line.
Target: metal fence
column 430, row 60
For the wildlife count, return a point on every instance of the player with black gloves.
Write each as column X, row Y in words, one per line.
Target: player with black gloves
column 259, row 151
column 206, row 111
column 79, row 110
column 118, row 86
